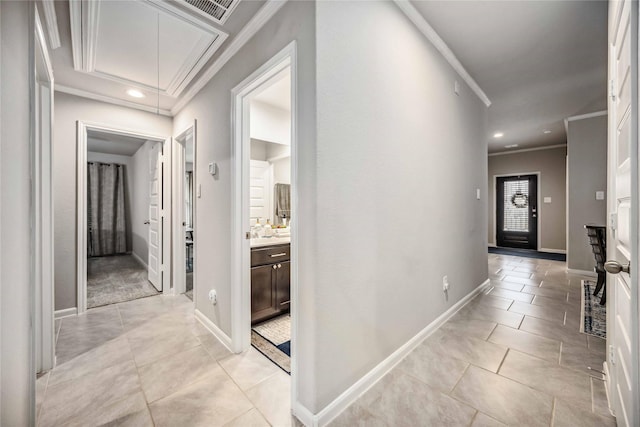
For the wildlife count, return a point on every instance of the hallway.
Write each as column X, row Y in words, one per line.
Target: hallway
column 513, row 354
column 150, row 362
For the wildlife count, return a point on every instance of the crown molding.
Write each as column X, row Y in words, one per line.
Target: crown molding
column 525, row 150
column 256, row 23
column 427, row 30
column 49, row 9
column 110, row 100
column 582, row 117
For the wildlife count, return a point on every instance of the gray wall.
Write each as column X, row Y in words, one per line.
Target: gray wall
column 68, row 109
column 295, row 21
column 17, row 373
column 398, row 160
column 552, row 183
column 587, row 152
column 128, row 185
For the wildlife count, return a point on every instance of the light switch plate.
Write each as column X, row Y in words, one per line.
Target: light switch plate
column 199, row 190
column 478, row 193
column 547, row 200
column 599, row 195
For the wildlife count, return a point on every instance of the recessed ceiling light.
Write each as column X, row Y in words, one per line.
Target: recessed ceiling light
column 135, row 93
column 511, row 146
column 547, row 131
column 498, row 135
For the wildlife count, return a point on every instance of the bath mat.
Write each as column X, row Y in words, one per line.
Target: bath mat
column 273, row 339
column 594, row 315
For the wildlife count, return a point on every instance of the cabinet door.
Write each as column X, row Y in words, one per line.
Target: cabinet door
column 283, row 285
column 263, row 298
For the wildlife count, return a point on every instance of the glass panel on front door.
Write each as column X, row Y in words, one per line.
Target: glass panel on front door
column 516, row 206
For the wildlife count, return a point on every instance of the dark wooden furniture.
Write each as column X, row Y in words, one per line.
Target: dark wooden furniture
column 597, row 235
column 270, row 282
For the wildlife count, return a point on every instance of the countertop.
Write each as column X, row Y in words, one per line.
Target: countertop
column 270, row 241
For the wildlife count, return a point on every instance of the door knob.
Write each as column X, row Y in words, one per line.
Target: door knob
column 614, row 267
column 147, row 222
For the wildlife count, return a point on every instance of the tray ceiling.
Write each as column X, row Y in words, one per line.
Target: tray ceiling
column 148, row 45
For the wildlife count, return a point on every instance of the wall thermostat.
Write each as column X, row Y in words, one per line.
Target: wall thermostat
column 213, row 169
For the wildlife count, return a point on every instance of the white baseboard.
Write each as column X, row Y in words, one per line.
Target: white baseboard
column 491, row 245
column 342, row 402
column 607, row 386
column 553, row 251
column 582, row 272
column 67, row 312
column 139, row 260
column 213, row 328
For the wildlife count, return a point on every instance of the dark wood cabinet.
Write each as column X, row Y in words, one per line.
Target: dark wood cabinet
column 270, row 282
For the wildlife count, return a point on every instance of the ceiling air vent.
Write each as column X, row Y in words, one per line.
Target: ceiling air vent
column 219, row 10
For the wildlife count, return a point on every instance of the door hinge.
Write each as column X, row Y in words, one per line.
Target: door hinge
column 247, row 235
column 612, row 355
column 613, row 220
column 612, row 89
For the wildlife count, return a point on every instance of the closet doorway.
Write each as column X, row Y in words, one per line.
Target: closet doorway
column 122, row 216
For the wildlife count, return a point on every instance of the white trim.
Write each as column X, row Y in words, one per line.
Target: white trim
column 84, row 33
column 110, row 100
column 587, row 116
column 49, row 9
column 178, row 182
column 492, row 245
column 140, row 260
column 42, row 202
column 240, row 250
column 495, row 213
column 553, row 251
column 67, row 312
column 249, row 30
column 421, row 23
column 81, row 222
column 340, row 403
column 215, row 331
column 582, row 272
column 525, row 150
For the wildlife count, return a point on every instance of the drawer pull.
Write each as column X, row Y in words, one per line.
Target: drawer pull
column 277, row 255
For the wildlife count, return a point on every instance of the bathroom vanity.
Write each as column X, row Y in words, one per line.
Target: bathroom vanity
column 270, row 278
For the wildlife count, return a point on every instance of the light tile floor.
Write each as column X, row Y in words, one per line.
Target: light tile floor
column 149, row 362
column 513, row 356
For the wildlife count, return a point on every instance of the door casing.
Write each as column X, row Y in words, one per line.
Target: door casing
column 82, row 127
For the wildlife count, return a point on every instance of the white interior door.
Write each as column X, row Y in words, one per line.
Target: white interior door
column 622, row 315
column 259, row 190
column 155, row 220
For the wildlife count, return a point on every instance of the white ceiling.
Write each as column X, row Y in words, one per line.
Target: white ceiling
column 539, row 62
column 278, row 94
column 109, row 143
column 119, row 50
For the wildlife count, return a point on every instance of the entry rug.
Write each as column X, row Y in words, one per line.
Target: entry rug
column 273, row 339
column 594, row 315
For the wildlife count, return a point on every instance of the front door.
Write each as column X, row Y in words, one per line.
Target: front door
column 517, row 211
column 155, row 220
column 622, row 287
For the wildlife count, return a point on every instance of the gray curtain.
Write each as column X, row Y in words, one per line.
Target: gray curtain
column 282, row 199
column 106, row 212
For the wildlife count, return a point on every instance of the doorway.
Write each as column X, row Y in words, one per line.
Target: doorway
column 184, row 229
column 517, row 211
column 264, row 220
column 122, row 215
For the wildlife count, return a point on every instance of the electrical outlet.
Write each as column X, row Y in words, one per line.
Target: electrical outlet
column 445, row 284
column 213, row 297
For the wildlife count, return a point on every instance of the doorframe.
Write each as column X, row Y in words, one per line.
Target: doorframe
column 495, row 210
column 42, row 203
column 240, row 244
column 178, row 234
column 82, row 127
